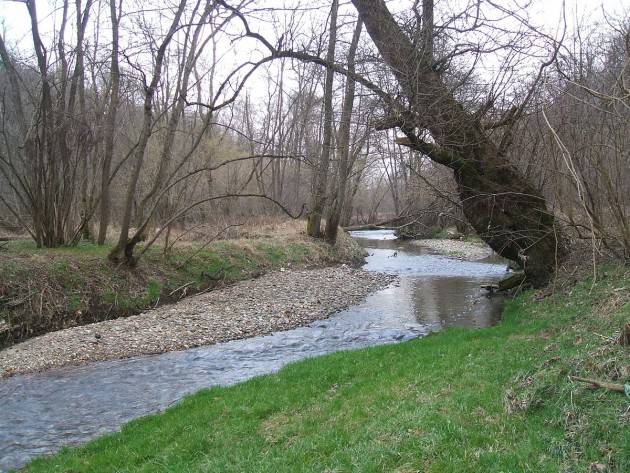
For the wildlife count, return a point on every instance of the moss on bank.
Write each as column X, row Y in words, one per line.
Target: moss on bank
column 48, row 289
column 492, row 400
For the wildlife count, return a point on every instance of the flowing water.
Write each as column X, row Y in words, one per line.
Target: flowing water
column 40, row 413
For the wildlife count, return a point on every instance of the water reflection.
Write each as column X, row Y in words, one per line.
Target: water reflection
column 454, row 302
column 434, row 291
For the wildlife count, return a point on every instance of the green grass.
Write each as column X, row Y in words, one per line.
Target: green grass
column 439, row 233
column 473, row 239
column 47, row 289
column 492, row 400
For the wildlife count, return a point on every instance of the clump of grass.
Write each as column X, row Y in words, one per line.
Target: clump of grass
column 438, row 233
column 154, row 289
column 491, row 400
column 472, row 238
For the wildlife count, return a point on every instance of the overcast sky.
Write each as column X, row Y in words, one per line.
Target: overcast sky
column 14, row 16
column 545, row 13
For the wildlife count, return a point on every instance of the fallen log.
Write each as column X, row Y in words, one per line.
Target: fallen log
column 382, row 225
column 512, row 281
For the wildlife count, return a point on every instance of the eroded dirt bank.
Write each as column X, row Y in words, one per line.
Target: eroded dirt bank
column 48, row 289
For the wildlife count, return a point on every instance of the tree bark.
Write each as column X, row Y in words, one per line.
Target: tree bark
column 123, row 251
column 110, row 126
column 343, row 141
column 505, row 210
column 313, row 225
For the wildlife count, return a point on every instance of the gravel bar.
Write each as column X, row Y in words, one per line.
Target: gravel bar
column 457, row 249
column 280, row 300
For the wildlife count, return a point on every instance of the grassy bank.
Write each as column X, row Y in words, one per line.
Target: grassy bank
column 498, row 399
column 47, row 289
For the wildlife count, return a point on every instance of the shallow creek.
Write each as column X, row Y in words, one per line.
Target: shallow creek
column 40, row 413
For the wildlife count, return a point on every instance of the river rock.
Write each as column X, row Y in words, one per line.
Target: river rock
column 279, row 300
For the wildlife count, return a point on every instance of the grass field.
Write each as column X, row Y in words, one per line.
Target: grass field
column 492, row 400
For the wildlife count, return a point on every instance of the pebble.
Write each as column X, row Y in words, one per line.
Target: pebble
column 279, row 300
column 456, row 248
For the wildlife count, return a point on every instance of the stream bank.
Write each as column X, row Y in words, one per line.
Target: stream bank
column 280, row 300
column 44, row 289
column 493, row 400
column 455, row 248
column 70, row 405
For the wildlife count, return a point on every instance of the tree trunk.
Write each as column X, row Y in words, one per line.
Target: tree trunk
column 343, row 141
column 351, row 190
column 313, row 225
column 123, row 251
column 110, row 126
column 505, row 210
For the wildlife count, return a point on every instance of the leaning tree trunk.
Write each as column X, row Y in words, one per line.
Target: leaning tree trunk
column 505, row 210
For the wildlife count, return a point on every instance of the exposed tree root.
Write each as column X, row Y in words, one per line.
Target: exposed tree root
column 514, row 280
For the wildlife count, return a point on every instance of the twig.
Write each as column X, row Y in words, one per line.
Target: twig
column 604, row 336
column 202, row 247
column 184, row 286
column 619, row 388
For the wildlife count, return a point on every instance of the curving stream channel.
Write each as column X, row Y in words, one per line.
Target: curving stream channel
column 40, row 413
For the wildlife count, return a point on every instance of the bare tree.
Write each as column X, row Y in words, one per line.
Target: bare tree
column 124, row 247
column 41, row 161
column 343, row 142
column 110, row 123
column 506, row 210
column 579, row 139
column 320, row 180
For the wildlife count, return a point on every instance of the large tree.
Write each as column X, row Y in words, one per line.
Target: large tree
column 505, row 209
